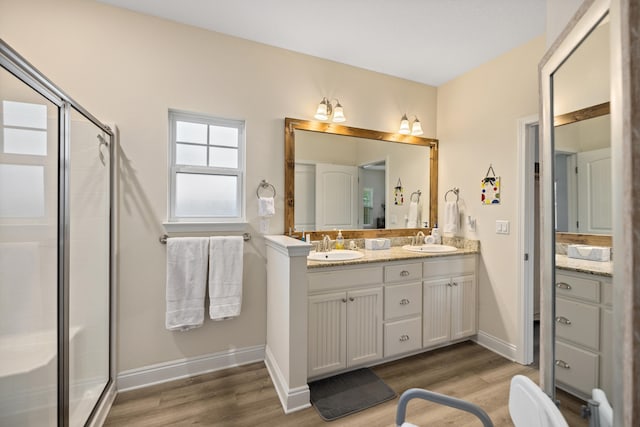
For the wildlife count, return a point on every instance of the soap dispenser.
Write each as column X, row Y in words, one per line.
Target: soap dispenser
column 339, row 240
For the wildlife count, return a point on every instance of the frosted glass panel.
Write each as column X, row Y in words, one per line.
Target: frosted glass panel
column 225, row 136
column 206, row 195
column 25, row 141
column 191, row 132
column 24, row 114
column 193, row 155
column 28, row 257
column 223, row 157
column 21, row 191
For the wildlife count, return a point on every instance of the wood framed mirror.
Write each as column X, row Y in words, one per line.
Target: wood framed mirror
column 591, row 14
column 364, row 136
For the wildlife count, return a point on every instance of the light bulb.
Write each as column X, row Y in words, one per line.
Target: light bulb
column 404, row 125
column 321, row 112
column 416, row 129
column 338, row 114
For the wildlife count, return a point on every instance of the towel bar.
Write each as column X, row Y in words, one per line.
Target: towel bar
column 163, row 239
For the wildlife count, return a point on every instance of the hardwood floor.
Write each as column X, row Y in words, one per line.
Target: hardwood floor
column 245, row 396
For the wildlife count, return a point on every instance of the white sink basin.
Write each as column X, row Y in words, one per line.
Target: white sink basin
column 335, row 255
column 430, row 248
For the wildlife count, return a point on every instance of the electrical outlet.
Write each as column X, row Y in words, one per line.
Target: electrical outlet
column 502, row 227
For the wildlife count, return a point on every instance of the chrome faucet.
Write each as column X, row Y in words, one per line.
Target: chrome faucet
column 326, row 244
column 418, row 239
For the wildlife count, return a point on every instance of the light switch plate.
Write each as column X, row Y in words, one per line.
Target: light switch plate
column 502, row 227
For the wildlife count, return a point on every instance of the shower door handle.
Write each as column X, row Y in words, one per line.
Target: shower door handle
column 100, row 144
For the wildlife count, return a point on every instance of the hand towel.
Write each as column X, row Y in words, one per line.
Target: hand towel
column 187, row 260
column 225, row 276
column 266, row 206
column 414, row 214
column 451, row 217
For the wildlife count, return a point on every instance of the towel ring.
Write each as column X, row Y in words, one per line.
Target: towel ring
column 455, row 191
column 417, row 193
column 265, row 185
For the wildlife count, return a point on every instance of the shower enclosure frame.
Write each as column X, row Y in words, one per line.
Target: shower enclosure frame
column 15, row 64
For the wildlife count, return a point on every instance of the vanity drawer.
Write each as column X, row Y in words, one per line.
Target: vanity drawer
column 578, row 322
column 449, row 266
column 402, row 300
column 576, row 368
column 402, row 336
column 577, row 287
column 403, row 272
column 343, row 278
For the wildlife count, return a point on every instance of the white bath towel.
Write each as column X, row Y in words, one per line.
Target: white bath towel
column 414, row 215
column 187, row 260
column 451, row 217
column 266, row 206
column 225, row 276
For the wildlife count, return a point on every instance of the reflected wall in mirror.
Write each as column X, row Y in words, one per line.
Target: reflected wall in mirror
column 583, row 171
column 339, row 177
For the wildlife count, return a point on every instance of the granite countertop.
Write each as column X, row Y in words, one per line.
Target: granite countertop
column 395, row 253
column 597, row 268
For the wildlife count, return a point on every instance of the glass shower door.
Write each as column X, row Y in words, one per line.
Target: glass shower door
column 89, row 215
column 29, row 134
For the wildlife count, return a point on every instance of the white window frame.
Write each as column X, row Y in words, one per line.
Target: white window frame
column 176, row 223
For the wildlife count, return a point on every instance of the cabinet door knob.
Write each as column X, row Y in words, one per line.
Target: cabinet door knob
column 344, row 300
column 404, row 301
column 563, row 285
column 404, row 338
column 351, row 299
column 455, row 284
column 562, row 364
column 404, row 273
column 563, row 320
column 449, row 284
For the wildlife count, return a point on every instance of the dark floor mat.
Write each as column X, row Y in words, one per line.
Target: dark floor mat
column 345, row 394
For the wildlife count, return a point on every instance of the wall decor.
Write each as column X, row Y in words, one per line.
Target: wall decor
column 490, row 188
column 398, row 195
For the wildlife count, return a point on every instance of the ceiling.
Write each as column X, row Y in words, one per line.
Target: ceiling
column 427, row 41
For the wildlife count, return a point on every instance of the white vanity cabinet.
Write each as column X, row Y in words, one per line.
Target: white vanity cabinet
column 344, row 319
column 449, row 300
column 367, row 313
column 583, row 332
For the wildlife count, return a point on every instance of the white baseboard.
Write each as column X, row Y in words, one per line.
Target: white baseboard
column 496, row 345
column 292, row 400
column 184, row 368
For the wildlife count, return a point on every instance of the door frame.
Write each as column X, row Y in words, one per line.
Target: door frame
column 526, row 236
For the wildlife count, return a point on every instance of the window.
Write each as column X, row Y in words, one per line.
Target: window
column 23, row 158
column 206, row 169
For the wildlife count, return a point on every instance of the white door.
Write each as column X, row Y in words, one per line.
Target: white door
column 305, row 197
column 463, row 306
column 364, row 326
column 594, row 191
column 436, row 312
column 327, row 339
column 336, row 196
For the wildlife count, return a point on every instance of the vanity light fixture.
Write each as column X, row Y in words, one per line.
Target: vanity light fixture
column 415, row 129
column 325, row 110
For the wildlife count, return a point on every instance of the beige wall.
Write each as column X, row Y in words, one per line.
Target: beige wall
column 583, row 80
column 477, row 127
column 129, row 69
